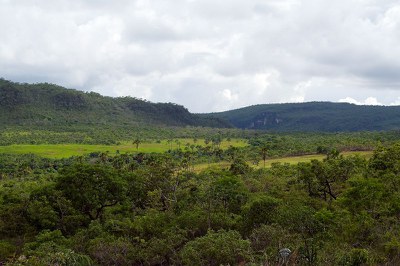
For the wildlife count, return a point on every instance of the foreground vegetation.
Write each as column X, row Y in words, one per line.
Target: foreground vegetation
column 158, row 209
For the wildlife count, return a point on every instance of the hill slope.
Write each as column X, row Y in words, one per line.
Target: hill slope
column 47, row 105
column 314, row 116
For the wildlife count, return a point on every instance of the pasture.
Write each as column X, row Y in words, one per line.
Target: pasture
column 58, row 151
column 283, row 160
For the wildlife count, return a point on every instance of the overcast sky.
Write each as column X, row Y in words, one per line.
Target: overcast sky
column 208, row 55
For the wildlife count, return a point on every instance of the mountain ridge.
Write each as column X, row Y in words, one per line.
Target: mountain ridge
column 314, row 116
column 47, row 106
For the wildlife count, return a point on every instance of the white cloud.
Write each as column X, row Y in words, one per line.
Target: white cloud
column 367, row 101
column 396, row 102
column 208, row 55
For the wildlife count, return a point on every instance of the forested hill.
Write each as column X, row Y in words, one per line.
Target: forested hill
column 47, row 105
column 314, row 116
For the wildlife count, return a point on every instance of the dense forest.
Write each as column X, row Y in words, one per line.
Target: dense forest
column 50, row 106
column 314, row 116
column 154, row 209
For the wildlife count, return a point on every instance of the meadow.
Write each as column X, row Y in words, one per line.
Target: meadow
column 292, row 160
column 58, row 151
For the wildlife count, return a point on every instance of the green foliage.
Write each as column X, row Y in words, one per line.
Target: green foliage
column 217, row 248
column 267, row 240
column 239, row 166
column 91, row 188
column 386, row 159
column 314, row 116
column 262, row 210
column 7, row 250
column 51, row 106
column 154, row 209
column 356, row 257
column 50, row 248
column 230, row 192
column 110, row 250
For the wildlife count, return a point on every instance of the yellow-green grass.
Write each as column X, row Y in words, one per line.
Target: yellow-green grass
column 58, row 151
column 182, row 142
column 308, row 158
column 289, row 160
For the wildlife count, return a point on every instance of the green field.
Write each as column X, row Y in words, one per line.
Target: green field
column 289, row 160
column 57, row 151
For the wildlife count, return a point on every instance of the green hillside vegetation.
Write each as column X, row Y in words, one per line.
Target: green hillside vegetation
column 48, row 106
column 314, row 116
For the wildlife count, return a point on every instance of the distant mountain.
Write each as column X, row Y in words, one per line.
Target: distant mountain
column 314, row 116
column 47, row 105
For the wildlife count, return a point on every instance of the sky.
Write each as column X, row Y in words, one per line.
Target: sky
column 208, row 55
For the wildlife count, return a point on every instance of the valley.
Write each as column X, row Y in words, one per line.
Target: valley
column 93, row 180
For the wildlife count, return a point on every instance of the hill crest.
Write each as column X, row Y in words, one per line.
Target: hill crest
column 314, row 116
column 45, row 104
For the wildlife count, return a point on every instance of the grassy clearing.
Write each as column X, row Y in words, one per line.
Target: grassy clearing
column 57, row 151
column 289, row 160
column 308, row 158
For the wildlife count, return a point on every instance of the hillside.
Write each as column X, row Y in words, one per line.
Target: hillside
column 314, row 116
column 46, row 106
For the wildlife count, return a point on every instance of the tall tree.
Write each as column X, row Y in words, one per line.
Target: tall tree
column 91, row 188
column 264, row 153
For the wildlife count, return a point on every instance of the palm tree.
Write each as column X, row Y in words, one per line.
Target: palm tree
column 264, row 153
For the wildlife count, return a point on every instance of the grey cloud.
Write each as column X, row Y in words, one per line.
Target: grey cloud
column 207, row 55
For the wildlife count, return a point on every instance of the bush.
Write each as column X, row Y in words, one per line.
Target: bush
column 216, row 248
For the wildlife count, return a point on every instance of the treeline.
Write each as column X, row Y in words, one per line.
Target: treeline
column 110, row 135
column 291, row 144
column 153, row 209
column 278, row 144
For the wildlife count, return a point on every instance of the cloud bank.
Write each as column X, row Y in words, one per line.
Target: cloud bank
column 208, row 55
